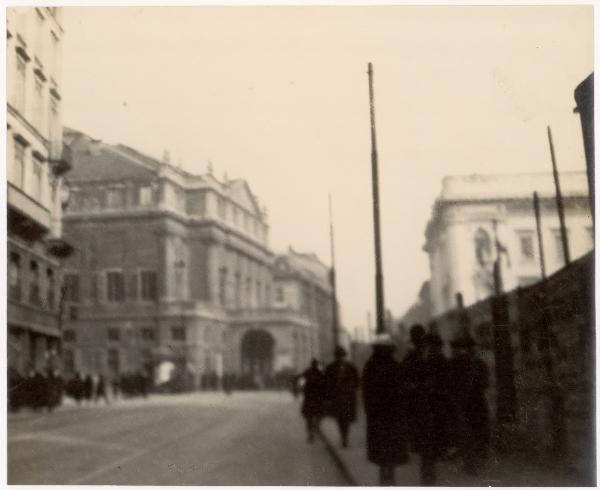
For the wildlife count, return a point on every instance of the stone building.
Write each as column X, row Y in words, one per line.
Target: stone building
column 36, row 161
column 176, row 267
column 480, row 216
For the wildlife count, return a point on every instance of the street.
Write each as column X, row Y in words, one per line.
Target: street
column 192, row 439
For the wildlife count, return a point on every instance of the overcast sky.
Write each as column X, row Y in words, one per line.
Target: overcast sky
column 279, row 96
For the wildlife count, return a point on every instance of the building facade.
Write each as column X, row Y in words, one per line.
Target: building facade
column 36, row 162
column 176, row 267
column 479, row 218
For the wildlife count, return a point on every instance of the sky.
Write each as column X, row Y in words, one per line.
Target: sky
column 279, row 96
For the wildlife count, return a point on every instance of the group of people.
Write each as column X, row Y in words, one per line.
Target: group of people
column 36, row 391
column 425, row 404
column 87, row 388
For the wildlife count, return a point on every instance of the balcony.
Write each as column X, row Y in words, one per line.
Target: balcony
column 59, row 247
column 61, row 158
column 27, row 218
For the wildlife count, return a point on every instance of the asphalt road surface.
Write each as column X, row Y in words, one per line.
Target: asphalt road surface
column 193, row 439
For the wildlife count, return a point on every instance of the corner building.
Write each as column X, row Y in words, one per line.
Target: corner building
column 171, row 266
column 36, row 161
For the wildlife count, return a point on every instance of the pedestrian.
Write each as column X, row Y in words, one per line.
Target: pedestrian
column 384, row 397
column 88, row 388
column 435, row 418
column 341, row 381
column 470, row 381
column 312, row 404
column 100, row 391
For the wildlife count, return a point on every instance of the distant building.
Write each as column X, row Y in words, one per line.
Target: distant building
column 477, row 216
column 176, row 267
column 36, row 161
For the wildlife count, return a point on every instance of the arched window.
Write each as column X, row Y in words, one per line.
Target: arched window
column 483, row 247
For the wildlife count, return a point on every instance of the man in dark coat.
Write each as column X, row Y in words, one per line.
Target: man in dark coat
column 312, row 404
column 435, row 418
column 385, row 408
column 341, row 379
column 470, row 380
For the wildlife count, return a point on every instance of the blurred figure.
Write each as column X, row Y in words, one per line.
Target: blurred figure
column 88, row 388
column 75, row 388
column 312, row 405
column 341, row 380
column 54, row 390
column 434, row 403
column 38, row 394
column 384, row 398
column 470, row 380
column 100, row 391
column 16, row 384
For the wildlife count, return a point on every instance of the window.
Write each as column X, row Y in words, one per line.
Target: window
column 145, row 196
column 53, row 126
column 21, row 83
column 50, row 291
column 221, row 207
column 36, row 188
column 148, row 289
column 38, row 104
column 114, row 198
column 258, row 294
column 238, row 290
column 69, row 360
column 483, row 247
column 71, row 282
column 20, row 164
column 115, row 287
column 267, row 295
column 69, row 335
column 249, row 291
column 526, row 245
column 148, row 333
column 178, row 333
column 34, row 283
column 14, row 276
column 113, row 334
column 222, row 285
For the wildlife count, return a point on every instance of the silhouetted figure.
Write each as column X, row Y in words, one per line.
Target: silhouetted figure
column 341, row 379
column 16, row 388
column 38, row 395
column 75, row 388
column 54, row 388
column 116, row 387
column 434, row 403
column 88, row 388
column 100, row 391
column 385, row 407
column 470, row 380
column 413, row 367
column 312, row 404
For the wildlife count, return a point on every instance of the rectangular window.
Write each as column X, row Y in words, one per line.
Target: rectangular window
column 69, row 335
column 15, row 276
column 71, row 282
column 145, row 196
column 114, row 198
column 36, row 188
column 20, row 164
column 38, row 104
column 238, row 290
column 115, row 287
column 222, row 285
column 113, row 334
column 34, row 283
column 20, row 83
column 526, row 245
column 148, row 333
column 178, row 333
column 50, row 289
column 148, row 289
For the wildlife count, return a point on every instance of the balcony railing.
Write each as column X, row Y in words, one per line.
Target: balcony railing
column 61, row 158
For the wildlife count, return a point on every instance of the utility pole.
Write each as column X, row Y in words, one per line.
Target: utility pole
column 379, row 300
column 559, row 203
column 538, row 225
column 334, row 306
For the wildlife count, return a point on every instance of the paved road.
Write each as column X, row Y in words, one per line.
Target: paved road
column 196, row 439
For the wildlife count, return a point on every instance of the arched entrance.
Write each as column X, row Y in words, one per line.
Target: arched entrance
column 257, row 353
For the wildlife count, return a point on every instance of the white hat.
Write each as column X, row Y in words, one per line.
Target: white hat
column 383, row 339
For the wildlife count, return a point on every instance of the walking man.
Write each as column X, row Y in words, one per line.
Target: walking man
column 341, row 378
column 384, row 395
column 312, row 404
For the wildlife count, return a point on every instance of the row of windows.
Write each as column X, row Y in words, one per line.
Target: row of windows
column 112, row 198
column 29, row 173
column 142, row 285
column 239, row 217
column 115, row 334
column 245, row 293
column 37, row 287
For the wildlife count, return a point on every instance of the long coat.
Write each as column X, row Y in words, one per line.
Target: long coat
column 341, row 384
column 385, row 407
column 314, row 392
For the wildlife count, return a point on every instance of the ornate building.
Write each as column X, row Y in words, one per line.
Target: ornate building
column 36, row 162
column 176, row 267
column 479, row 217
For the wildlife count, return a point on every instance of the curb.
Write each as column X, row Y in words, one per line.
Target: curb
column 338, row 460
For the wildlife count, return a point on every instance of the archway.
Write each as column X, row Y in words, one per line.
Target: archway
column 257, row 353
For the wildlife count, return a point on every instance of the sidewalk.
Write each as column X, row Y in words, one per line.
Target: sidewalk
column 499, row 471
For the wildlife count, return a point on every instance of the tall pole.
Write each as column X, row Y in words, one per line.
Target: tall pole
column 334, row 305
column 498, row 262
column 559, row 203
column 380, row 328
column 538, row 225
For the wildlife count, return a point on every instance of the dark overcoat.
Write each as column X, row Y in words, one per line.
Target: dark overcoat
column 314, row 392
column 385, row 408
column 341, row 384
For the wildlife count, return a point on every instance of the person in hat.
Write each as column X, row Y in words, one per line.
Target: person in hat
column 470, row 381
column 341, row 386
column 385, row 409
column 312, row 404
column 434, row 401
